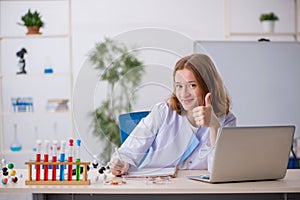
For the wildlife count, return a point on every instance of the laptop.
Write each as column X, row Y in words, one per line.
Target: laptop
column 250, row 154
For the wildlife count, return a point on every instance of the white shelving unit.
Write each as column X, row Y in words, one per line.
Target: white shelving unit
column 51, row 49
column 288, row 32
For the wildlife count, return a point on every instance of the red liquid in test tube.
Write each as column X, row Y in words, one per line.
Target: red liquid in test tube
column 54, row 159
column 70, row 159
column 38, row 159
column 46, row 159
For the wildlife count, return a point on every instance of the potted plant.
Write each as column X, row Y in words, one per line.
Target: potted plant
column 268, row 21
column 33, row 22
column 121, row 70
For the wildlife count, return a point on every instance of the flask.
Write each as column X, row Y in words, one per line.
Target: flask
column 35, row 137
column 15, row 145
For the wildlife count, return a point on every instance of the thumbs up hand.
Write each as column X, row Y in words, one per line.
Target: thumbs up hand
column 204, row 114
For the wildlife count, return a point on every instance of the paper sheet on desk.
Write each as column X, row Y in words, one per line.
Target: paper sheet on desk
column 152, row 172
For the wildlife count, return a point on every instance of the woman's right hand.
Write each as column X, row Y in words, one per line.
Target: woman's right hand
column 118, row 168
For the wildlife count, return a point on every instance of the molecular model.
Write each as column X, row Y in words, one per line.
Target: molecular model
column 105, row 172
column 8, row 173
column 101, row 170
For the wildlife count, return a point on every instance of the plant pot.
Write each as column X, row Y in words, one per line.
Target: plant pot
column 268, row 26
column 33, row 30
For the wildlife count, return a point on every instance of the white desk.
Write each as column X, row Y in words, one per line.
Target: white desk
column 176, row 188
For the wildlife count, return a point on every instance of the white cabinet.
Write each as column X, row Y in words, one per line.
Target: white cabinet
column 50, row 50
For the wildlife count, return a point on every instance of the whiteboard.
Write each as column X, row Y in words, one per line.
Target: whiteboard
column 263, row 79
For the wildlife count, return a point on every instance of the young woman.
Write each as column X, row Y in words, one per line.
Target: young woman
column 180, row 131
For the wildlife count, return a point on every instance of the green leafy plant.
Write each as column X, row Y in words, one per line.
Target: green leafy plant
column 268, row 16
column 32, row 19
column 118, row 67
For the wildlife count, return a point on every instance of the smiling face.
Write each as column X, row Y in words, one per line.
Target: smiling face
column 187, row 89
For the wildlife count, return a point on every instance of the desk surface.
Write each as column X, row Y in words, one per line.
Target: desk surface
column 180, row 184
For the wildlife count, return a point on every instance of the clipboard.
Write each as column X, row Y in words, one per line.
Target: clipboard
column 152, row 172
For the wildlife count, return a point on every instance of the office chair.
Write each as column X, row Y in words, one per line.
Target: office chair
column 294, row 162
column 128, row 121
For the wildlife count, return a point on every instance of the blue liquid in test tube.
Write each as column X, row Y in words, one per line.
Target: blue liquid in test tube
column 62, row 158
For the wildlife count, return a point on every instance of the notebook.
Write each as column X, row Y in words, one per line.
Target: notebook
column 250, row 154
column 152, row 172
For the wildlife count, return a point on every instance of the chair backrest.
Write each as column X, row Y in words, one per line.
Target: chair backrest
column 128, row 121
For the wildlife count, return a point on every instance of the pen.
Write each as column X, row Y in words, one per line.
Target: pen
column 118, row 154
column 119, row 157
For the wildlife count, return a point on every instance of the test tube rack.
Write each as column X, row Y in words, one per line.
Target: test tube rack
column 82, row 181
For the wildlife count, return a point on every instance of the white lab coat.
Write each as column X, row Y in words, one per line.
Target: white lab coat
column 166, row 139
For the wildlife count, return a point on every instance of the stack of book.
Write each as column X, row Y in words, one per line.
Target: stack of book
column 22, row 104
column 57, row 105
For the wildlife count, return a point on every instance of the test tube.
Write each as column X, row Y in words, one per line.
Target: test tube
column 54, row 159
column 77, row 157
column 62, row 159
column 46, row 159
column 38, row 159
column 70, row 159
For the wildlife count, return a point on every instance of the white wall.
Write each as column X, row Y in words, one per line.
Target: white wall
column 112, row 17
column 186, row 21
column 197, row 19
column 194, row 19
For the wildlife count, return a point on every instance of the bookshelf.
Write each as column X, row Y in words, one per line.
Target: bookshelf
column 52, row 49
column 287, row 30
